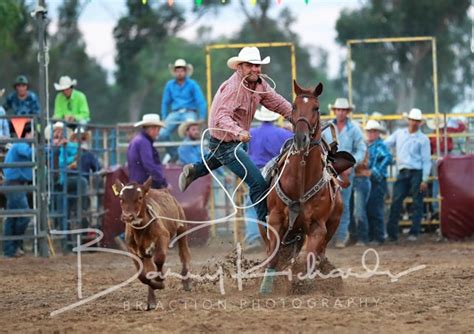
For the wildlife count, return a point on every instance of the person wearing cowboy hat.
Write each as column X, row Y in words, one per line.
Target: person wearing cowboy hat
column 189, row 131
column 17, row 200
column 70, row 104
column 266, row 143
column 142, row 158
column 182, row 101
column 22, row 101
column 350, row 139
column 412, row 149
column 232, row 111
column 379, row 158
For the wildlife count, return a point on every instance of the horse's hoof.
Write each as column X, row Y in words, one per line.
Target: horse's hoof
column 267, row 283
column 159, row 284
column 187, row 285
column 151, row 307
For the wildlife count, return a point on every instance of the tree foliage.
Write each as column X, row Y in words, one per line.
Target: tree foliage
column 397, row 76
column 68, row 56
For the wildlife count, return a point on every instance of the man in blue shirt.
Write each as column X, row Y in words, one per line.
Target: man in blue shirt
column 182, row 101
column 379, row 159
column 19, row 152
column 351, row 140
column 22, row 101
column 265, row 144
column 188, row 153
column 414, row 165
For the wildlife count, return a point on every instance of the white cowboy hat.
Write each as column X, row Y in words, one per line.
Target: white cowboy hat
column 415, row 114
column 341, row 103
column 181, row 63
column 58, row 125
column 150, row 120
column 65, row 82
column 183, row 127
column 249, row 54
column 432, row 124
column 374, row 125
column 265, row 115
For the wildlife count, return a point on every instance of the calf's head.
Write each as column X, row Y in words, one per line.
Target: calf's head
column 132, row 200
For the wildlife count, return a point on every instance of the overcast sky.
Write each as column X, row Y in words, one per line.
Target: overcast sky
column 316, row 24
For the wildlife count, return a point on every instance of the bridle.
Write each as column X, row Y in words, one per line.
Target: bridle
column 312, row 128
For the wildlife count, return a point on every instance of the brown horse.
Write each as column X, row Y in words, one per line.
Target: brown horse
column 306, row 202
column 147, row 235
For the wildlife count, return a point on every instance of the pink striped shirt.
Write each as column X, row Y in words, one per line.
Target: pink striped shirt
column 234, row 106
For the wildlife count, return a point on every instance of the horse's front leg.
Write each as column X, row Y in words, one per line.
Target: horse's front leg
column 315, row 246
column 275, row 221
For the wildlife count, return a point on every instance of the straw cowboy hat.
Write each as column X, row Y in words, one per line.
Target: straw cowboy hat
column 374, row 125
column 181, row 63
column 183, row 127
column 150, row 120
column 341, row 103
column 265, row 115
column 65, row 82
column 415, row 114
column 249, row 54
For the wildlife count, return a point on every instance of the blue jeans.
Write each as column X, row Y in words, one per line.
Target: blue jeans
column 172, row 122
column 15, row 225
column 408, row 183
column 375, row 209
column 252, row 232
column 223, row 154
column 361, row 197
column 343, row 229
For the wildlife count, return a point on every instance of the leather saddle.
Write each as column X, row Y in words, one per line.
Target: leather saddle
column 337, row 161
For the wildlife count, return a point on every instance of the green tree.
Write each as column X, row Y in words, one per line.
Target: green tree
column 17, row 43
column 141, row 39
column 69, row 57
column 393, row 77
column 258, row 26
column 146, row 43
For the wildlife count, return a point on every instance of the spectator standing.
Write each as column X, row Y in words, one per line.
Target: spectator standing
column 142, row 158
column 351, row 140
column 16, row 226
column 414, row 164
column 379, row 159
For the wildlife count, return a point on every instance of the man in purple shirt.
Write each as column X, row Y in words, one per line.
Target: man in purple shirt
column 143, row 159
column 266, row 143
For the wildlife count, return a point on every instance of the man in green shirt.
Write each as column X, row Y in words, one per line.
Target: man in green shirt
column 70, row 104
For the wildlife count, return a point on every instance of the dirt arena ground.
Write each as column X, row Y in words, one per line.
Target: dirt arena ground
column 438, row 298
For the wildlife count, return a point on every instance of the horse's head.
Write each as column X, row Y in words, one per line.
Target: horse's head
column 132, row 200
column 306, row 114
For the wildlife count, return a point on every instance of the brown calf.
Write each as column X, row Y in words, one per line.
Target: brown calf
column 147, row 236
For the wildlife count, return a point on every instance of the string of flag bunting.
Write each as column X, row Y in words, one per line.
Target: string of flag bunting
column 199, row 2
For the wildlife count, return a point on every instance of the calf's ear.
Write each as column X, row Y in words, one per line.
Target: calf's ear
column 117, row 187
column 147, row 185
